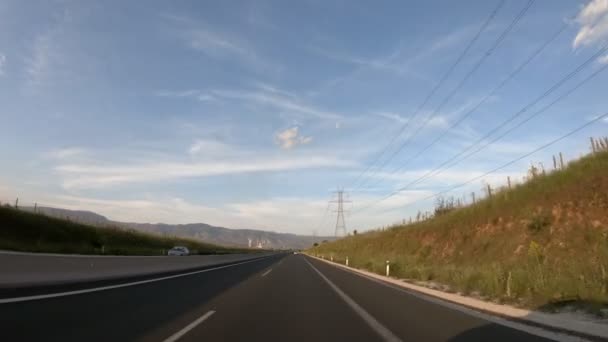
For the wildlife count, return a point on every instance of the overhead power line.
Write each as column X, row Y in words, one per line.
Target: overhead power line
column 552, row 142
column 521, row 123
column 504, row 82
column 510, row 119
column 439, row 84
column 459, row 86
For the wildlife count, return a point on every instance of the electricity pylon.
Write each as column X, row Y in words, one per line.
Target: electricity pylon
column 340, row 223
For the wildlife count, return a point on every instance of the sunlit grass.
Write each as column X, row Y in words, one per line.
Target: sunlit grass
column 538, row 244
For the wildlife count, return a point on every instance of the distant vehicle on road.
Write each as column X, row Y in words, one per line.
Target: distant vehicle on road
column 179, row 251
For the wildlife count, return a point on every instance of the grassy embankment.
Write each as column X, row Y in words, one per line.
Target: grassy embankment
column 29, row 232
column 541, row 244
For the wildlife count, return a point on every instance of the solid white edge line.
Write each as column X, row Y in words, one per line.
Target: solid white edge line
column 380, row 329
column 266, row 273
column 189, row 327
column 110, row 287
column 530, row 329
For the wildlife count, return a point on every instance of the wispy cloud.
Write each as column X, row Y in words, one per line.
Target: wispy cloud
column 213, row 43
column 392, row 116
column 167, row 210
column 195, row 94
column 2, row 63
column 290, row 138
column 455, row 176
column 179, row 93
column 65, row 153
column 273, row 89
column 279, row 102
column 389, row 63
column 402, row 60
column 593, row 19
column 595, row 117
column 83, row 176
column 209, row 148
column 43, row 55
column 284, row 214
column 219, row 44
column 263, row 94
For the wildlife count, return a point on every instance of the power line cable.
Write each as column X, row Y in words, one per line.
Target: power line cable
column 434, row 90
column 576, row 130
column 455, row 90
column 521, row 123
column 514, row 73
column 513, row 117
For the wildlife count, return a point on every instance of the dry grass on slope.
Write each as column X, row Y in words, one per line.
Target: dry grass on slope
column 543, row 243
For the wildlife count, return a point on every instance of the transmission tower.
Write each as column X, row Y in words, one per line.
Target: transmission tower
column 340, row 223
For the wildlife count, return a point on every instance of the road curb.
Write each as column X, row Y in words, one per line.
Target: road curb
column 584, row 329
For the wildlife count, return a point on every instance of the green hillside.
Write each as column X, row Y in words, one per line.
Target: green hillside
column 27, row 231
column 543, row 243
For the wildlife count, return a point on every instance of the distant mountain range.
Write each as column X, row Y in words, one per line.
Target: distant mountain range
column 200, row 231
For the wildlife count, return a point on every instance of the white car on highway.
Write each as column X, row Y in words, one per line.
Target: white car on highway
column 179, row 251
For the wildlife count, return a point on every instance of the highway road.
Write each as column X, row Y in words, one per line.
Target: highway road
column 283, row 297
column 18, row 270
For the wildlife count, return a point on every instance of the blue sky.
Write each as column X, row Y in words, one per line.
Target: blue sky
column 250, row 114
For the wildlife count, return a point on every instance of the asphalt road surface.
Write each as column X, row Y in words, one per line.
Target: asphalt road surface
column 37, row 269
column 284, row 297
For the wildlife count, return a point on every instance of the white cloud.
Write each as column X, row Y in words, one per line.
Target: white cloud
column 266, row 95
column 279, row 102
column 388, row 63
column 189, row 93
column 205, row 97
column 2, row 63
column 38, row 65
column 593, row 19
column 402, row 60
column 209, row 148
column 448, row 177
column 86, row 176
column 272, row 89
column 179, row 93
column 392, row 116
column 219, row 44
column 438, row 121
column 65, row 153
column 290, row 138
column 293, row 215
column 173, row 210
column 603, row 59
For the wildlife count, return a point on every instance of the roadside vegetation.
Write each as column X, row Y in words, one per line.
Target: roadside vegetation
column 31, row 232
column 540, row 244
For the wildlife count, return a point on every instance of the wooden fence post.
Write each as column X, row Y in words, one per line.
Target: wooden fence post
column 561, row 161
